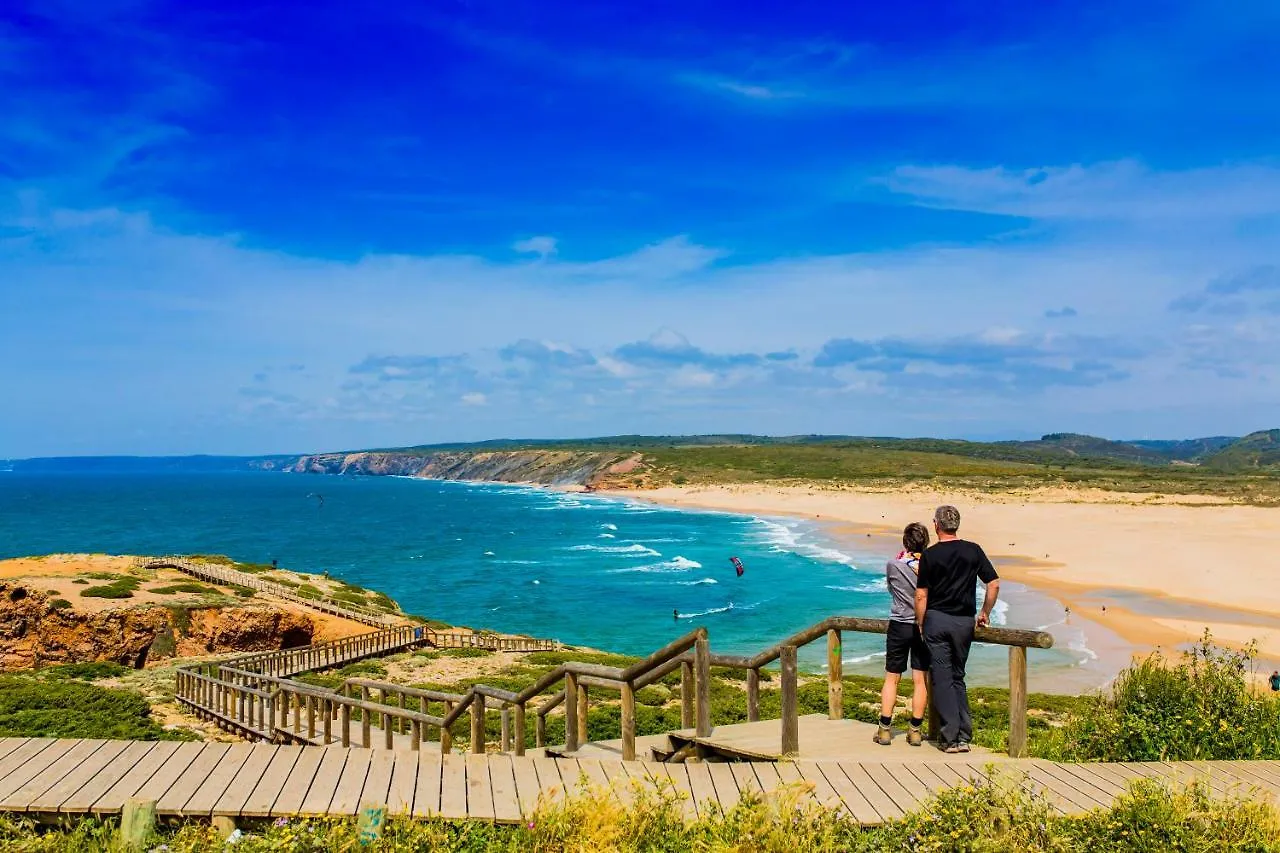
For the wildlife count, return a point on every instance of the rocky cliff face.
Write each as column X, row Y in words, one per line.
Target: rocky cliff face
column 542, row 467
column 33, row 633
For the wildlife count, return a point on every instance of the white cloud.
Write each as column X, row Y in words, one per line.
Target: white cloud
column 474, row 398
column 542, row 246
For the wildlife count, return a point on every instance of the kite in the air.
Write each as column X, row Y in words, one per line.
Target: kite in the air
column 737, row 565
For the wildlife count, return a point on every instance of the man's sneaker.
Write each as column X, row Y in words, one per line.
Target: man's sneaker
column 964, row 746
column 915, row 737
column 951, row 748
column 884, row 735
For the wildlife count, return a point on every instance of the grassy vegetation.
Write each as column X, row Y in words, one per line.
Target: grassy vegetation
column 62, row 706
column 87, row 671
column 183, row 587
column 991, row 817
column 866, row 462
column 121, row 586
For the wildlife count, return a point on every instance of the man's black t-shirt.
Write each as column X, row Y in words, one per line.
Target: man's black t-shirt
column 951, row 570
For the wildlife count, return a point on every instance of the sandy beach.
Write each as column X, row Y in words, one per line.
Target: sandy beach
column 1156, row 571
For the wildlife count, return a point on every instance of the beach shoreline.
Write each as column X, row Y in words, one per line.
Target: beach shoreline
column 1139, row 573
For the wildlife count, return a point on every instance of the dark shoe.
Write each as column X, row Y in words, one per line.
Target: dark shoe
column 915, row 737
column 964, row 747
column 951, row 748
column 883, row 736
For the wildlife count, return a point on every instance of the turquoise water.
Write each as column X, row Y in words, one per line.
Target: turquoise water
column 583, row 569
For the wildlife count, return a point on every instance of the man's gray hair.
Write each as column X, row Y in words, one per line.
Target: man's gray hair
column 947, row 518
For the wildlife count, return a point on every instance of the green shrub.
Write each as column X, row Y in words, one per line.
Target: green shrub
column 80, row 581
column 465, row 653
column 67, row 708
column 88, row 671
column 122, row 587
column 60, row 604
column 306, row 590
column 184, row 586
column 363, row 668
column 1201, row 708
column 180, row 619
column 242, row 591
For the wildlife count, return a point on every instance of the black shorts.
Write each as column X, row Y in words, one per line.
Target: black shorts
column 903, row 641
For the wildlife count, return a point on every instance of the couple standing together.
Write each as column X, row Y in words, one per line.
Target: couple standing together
column 931, row 625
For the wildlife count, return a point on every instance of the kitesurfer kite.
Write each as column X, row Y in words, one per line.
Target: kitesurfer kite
column 737, row 565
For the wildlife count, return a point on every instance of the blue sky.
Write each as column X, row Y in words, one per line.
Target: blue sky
column 290, row 227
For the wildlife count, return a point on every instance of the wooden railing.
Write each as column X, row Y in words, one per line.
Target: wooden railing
column 223, row 575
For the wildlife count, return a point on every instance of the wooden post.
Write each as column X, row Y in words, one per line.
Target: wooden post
column 477, row 725
column 570, row 712
column 628, row 722
column 137, row 823
column 686, row 694
column 311, row 717
column 388, row 730
column 346, row 724
column 328, row 722
column 519, row 728
column 403, row 721
column 446, row 736
column 931, row 710
column 790, row 713
column 582, row 714
column 505, row 716
column 835, row 676
column 702, row 679
column 539, row 731
column 1017, row 702
column 415, row 742
column 366, row 719
column 753, row 695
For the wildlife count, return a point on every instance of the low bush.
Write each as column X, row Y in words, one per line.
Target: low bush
column 242, row 591
column 465, row 653
column 1200, row 708
column 184, row 586
column 32, row 707
column 991, row 817
column 60, row 604
column 89, row 671
column 122, row 587
column 80, row 582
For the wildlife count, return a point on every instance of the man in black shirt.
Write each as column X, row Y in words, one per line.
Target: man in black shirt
column 946, row 601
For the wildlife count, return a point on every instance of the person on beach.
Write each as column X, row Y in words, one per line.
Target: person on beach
column 945, row 607
column 1275, row 682
column 903, row 642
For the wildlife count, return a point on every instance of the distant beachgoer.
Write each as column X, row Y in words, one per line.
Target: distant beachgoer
column 903, row 641
column 275, row 564
column 675, row 615
column 1275, row 682
column 946, row 604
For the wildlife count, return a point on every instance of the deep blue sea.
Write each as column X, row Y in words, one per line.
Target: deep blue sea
column 586, row 570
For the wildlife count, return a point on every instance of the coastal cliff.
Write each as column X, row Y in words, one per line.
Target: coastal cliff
column 541, row 467
column 35, row 631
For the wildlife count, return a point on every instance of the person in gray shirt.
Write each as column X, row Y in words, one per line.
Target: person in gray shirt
column 903, row 642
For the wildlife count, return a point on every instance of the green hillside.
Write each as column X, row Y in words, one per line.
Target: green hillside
column 1257, row 451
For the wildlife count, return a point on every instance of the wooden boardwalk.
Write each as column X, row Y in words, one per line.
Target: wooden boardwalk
column 261, row 780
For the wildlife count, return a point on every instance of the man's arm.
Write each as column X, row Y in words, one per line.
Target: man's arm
column 922, row 604
column 988, row 602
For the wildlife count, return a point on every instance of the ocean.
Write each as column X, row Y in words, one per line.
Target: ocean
column 610, row 573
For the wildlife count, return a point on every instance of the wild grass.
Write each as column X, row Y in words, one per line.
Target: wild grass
column 993, row 816
column 122, row 586
column 67, row 708
column 183, row 587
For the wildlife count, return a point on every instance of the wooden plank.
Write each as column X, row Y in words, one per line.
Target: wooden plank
column 549, row 781
column 453, row 787
column 678, row 778
column 506, row 807
column 1087, row 787
column 527, row 785
column 592, row 769
column 726, row 786
column 230, row 802
column 173, row 796
column 929, row 781
column 404, row 779
column 855, row 801
column 50, row 775
column 822, row 790
column 346, row 795
column 479, row 788
column 1062, row 795
column 1104, row 785
column 120, row 765
column 263, row 793
column 744, row 775
column 294, row 788
column 915, row 789
column 152, row 762
column 766, row 773
column 30, row 759
column 426, row 794
column 1249, row 773
column 325, row 781
column 209, row 789
column 8, row 746
column 88, row 773
column 906, row 800
column 378, row 782
column 1202, row 771
column 704, row 790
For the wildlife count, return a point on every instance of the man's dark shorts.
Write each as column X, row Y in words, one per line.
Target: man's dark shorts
column 902, row 642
